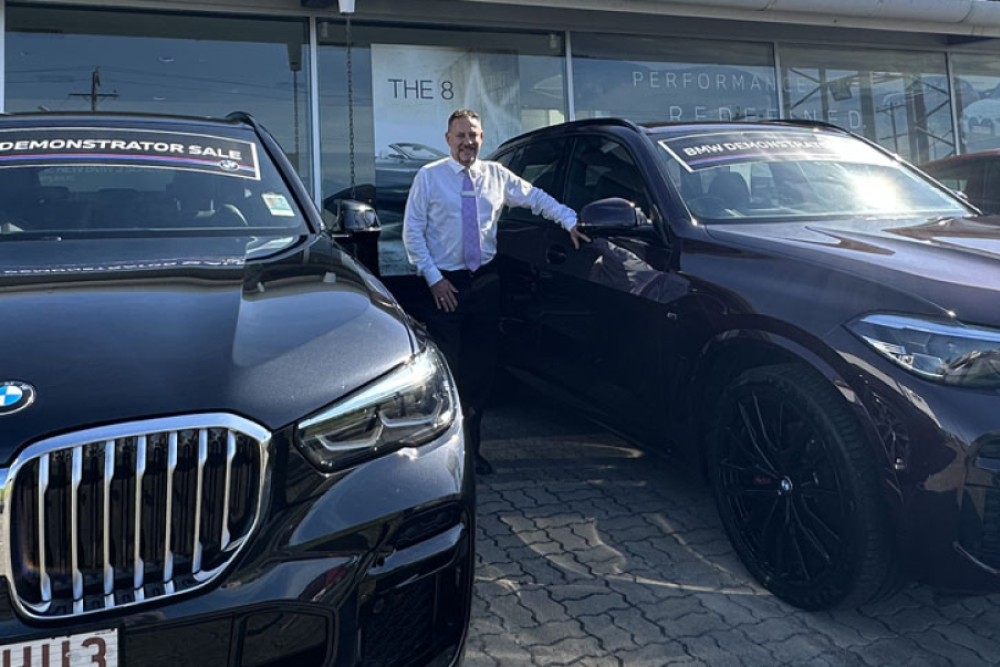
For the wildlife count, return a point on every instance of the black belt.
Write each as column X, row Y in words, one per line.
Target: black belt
column 469, row 273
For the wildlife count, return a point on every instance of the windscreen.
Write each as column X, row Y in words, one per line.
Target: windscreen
column 100, row 181
column 788, row 174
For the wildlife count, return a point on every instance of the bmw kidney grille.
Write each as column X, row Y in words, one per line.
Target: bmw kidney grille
column 116, row 516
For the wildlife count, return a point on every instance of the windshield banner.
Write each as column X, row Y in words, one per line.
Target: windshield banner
column 715, row 149
column 127, row 147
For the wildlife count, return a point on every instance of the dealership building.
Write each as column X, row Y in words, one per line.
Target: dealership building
column 920, row 77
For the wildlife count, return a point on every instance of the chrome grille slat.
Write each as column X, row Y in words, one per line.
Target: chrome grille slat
column 185, row 471
column 199, row 498
column 43, row 486
column 168, row 553
column 74, row 522
column 109, row 569
column 230, row 455
column 140, row 473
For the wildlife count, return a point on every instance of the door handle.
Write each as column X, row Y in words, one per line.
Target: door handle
column 556, row 254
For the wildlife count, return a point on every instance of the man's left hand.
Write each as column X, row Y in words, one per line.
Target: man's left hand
column 575, row 235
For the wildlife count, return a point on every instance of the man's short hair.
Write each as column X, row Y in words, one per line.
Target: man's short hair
column 463, row 113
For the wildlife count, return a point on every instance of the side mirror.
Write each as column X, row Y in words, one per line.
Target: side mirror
column 357, row 228
column 355, row 216
column 614, row 212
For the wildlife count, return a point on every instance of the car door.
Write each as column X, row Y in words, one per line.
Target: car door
column 520, row 253
column 608, row 304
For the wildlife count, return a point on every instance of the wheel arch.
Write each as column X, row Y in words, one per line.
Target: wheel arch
column 723, row 357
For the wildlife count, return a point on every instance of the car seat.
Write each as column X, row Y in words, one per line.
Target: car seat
column 731, row 189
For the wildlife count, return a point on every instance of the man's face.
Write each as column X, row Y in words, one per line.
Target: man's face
column 464, row 138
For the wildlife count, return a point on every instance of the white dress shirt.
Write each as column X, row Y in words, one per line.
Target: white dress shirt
column 432, row 224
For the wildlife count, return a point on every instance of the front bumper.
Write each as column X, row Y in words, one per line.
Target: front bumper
column 939, row 446
column 372, row 566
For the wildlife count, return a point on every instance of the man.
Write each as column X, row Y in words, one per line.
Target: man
column 450, row 234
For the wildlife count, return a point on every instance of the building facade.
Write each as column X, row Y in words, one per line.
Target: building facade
column 358, row 108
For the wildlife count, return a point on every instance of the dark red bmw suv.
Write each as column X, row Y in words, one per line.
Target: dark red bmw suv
column 806, row 316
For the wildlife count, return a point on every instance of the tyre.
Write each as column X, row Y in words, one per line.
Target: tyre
column 797, row 489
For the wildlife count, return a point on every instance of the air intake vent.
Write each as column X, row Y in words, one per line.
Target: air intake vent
column 119, row 515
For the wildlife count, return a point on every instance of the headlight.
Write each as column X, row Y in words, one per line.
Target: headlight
column 410, row 406
column 948, row 352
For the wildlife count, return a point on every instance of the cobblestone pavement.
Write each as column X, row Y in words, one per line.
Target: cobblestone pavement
column 593, row 553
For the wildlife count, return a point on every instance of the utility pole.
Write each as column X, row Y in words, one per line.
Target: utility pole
column 95, row 84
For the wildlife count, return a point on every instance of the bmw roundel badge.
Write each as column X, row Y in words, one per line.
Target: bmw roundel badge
column 229, row 165
column 15, row 396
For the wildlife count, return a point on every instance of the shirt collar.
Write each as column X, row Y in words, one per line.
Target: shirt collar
column 457, row 166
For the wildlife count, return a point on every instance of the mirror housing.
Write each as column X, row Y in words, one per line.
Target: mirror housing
column 356, row 227
column 614, row 212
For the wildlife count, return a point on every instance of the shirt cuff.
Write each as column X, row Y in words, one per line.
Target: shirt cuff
column 432, row 276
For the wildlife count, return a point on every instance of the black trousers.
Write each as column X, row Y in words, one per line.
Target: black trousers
column 469, row 339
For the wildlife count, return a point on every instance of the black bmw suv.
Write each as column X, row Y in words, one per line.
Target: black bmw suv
column 222, row 443
column 812, row 320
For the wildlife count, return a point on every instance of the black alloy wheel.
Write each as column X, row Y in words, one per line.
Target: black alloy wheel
column 797, row 490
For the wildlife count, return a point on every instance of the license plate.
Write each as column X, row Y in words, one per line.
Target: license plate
column 87, row 649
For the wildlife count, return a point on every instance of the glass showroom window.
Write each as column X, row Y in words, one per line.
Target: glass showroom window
column 88, row 59
column 977, row 85
column 651, row 79
column 406, row 84
column 896, row 98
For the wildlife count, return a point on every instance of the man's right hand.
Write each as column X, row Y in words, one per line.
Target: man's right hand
column 444, row 295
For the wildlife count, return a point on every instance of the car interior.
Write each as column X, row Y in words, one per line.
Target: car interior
column 42, row 199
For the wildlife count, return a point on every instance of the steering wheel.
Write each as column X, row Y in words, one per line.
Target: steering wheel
column 710, row 207
column 230, row 216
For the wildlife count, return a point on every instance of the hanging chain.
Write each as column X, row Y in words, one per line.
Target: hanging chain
column 350, row 103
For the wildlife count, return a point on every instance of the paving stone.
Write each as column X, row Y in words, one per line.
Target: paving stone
column 899, row 652
column 566, row 651
column 913, row 619
column 707, row 649
column 661, row 655
column 542, row 606
column 726, row 609
column 958, row 634
column 598, row 603
column 552, row 633
column 694, row 624
column 570, row 540
column 514, row 615
column 798, row 648
column 938, row 645
column 611, row 637
column 506, row 651
column 742, row 643
column 604, row 661
column 559, row 519
column 642, row 630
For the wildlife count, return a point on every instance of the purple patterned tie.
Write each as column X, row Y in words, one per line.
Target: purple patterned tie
column 470, row 224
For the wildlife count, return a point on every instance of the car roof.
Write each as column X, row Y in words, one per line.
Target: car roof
column 955, row 160
column 671, row 128
column 49, row 118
